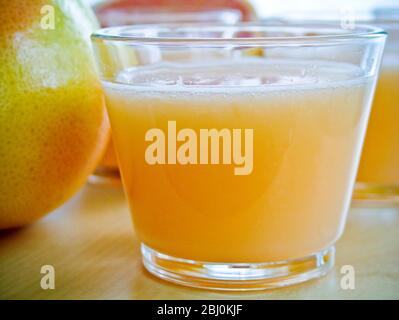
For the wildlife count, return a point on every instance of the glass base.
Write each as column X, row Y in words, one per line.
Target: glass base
column 237, row 276
column 375, row 195
column 104, row 176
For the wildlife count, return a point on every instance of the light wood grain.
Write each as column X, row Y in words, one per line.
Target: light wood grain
column 91, row 244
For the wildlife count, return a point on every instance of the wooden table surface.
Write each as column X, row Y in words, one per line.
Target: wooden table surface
column 91, row 244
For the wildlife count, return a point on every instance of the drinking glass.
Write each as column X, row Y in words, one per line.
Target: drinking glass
column 238, row 145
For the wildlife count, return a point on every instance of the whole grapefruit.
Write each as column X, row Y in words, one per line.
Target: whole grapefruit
column 53, row 123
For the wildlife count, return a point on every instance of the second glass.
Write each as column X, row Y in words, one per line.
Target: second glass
column 238, row 145
column 378, row 177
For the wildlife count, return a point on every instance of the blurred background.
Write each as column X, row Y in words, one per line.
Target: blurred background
column 267, row 8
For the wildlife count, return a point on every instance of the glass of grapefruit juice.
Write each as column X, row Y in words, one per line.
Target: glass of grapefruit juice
column 238, row 145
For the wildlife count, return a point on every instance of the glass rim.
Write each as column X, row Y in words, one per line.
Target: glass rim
column 144, row 33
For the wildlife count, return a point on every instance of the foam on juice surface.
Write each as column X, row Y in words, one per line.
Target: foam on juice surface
column 235, row 74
